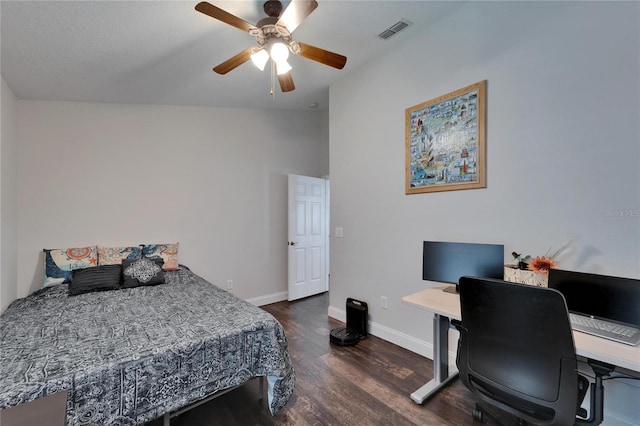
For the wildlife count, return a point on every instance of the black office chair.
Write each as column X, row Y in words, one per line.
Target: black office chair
column 516, row 353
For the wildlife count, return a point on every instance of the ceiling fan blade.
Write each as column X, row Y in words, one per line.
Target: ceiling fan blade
column 323, row 56
column 234, row 62
column 224, row 16
column 296, row 12
column 286, row 82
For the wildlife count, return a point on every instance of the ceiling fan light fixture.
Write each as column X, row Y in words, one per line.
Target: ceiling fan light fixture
column 283, row 67
column 260, row 59
column 273, row 40
column 279, row 52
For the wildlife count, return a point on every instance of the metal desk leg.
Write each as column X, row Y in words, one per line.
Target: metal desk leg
column 440, row 361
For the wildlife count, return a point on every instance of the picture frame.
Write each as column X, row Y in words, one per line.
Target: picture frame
column 445, row 142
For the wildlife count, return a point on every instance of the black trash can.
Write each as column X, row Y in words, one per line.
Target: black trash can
column 356, row 329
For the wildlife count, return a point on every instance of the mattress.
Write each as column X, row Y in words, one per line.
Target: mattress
column 129, row 356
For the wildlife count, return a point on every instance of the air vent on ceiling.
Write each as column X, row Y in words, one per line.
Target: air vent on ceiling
column 394, row 29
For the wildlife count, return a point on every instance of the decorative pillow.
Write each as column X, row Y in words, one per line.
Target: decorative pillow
column 167, row 252
column 170, row 265
column 115, row 255
column 58, row 263
column 143, row 271
column 100, row 278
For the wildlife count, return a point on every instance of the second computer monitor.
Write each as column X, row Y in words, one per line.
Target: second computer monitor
column 601, row 296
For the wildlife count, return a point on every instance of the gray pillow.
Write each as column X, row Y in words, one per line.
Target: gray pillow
column 95, row 278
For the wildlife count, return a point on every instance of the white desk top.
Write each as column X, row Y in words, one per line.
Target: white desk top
column 448, row 304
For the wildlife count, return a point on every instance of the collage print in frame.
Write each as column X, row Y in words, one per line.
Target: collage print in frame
column 445, row 146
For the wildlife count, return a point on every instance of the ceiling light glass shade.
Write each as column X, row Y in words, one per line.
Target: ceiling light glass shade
column 283, row 67
column 260, row 58
column 279, row 52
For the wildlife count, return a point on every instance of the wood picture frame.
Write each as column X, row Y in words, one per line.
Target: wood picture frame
column 445, row 142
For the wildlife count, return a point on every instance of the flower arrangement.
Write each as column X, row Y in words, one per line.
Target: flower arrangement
column 542, row 264
column 539, row 264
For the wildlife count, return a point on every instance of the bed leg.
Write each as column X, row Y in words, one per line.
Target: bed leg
column 167, row 419
column 261, row 388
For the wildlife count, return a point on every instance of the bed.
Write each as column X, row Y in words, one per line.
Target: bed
column 132, row 355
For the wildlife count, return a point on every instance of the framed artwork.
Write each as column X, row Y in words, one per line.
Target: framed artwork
column 445, row 146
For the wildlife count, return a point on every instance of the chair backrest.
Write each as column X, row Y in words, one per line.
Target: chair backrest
column 516, row 349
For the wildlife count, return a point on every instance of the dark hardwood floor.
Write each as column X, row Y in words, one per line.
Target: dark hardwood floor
column 365, row 384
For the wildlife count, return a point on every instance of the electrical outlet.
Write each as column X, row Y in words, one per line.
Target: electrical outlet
column 229, row 284
column 383, row 302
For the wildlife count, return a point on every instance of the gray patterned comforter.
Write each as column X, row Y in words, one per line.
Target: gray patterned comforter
column 129, row 356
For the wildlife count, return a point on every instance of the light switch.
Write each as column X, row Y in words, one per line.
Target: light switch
column 338, row 232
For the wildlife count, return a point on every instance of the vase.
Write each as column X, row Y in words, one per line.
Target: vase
column 521, row 276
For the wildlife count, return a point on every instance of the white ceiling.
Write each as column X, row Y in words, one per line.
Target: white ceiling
column 163, row 52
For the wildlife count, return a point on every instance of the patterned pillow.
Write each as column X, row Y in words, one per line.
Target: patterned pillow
column 115, row 255
column 58, row 263
column 168, row 252
column 143, row 271
column 170, row 265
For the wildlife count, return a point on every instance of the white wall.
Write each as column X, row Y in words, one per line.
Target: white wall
column 563, row 152
column 215, row 180
column 8, row 198
column 324, row 135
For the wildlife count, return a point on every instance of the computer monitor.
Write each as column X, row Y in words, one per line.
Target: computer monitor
column 600, row 296
column 448, row 261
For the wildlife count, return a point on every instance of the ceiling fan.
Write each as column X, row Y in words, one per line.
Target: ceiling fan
column 273, row 38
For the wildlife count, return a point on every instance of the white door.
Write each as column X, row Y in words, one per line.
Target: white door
column 307, row 237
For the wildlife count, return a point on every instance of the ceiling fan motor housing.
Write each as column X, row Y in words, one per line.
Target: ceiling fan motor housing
column 272, row 8
column 268, row 34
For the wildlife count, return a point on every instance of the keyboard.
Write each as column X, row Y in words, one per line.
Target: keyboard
column 608, row 330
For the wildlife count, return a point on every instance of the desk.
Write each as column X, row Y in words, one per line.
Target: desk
column 446, row 306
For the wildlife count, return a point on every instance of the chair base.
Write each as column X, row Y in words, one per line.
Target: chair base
column 482, row 413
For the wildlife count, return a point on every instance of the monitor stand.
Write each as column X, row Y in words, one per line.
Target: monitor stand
column 451, row 289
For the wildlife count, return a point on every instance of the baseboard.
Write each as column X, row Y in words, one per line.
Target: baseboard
column 268, row 299
column 396, row 337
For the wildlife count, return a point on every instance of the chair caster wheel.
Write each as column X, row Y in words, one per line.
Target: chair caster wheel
column 478, row 415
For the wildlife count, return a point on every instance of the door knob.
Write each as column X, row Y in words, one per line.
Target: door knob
column 291, row 243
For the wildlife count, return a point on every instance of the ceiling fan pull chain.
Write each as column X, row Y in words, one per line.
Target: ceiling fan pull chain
column 273, row 79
